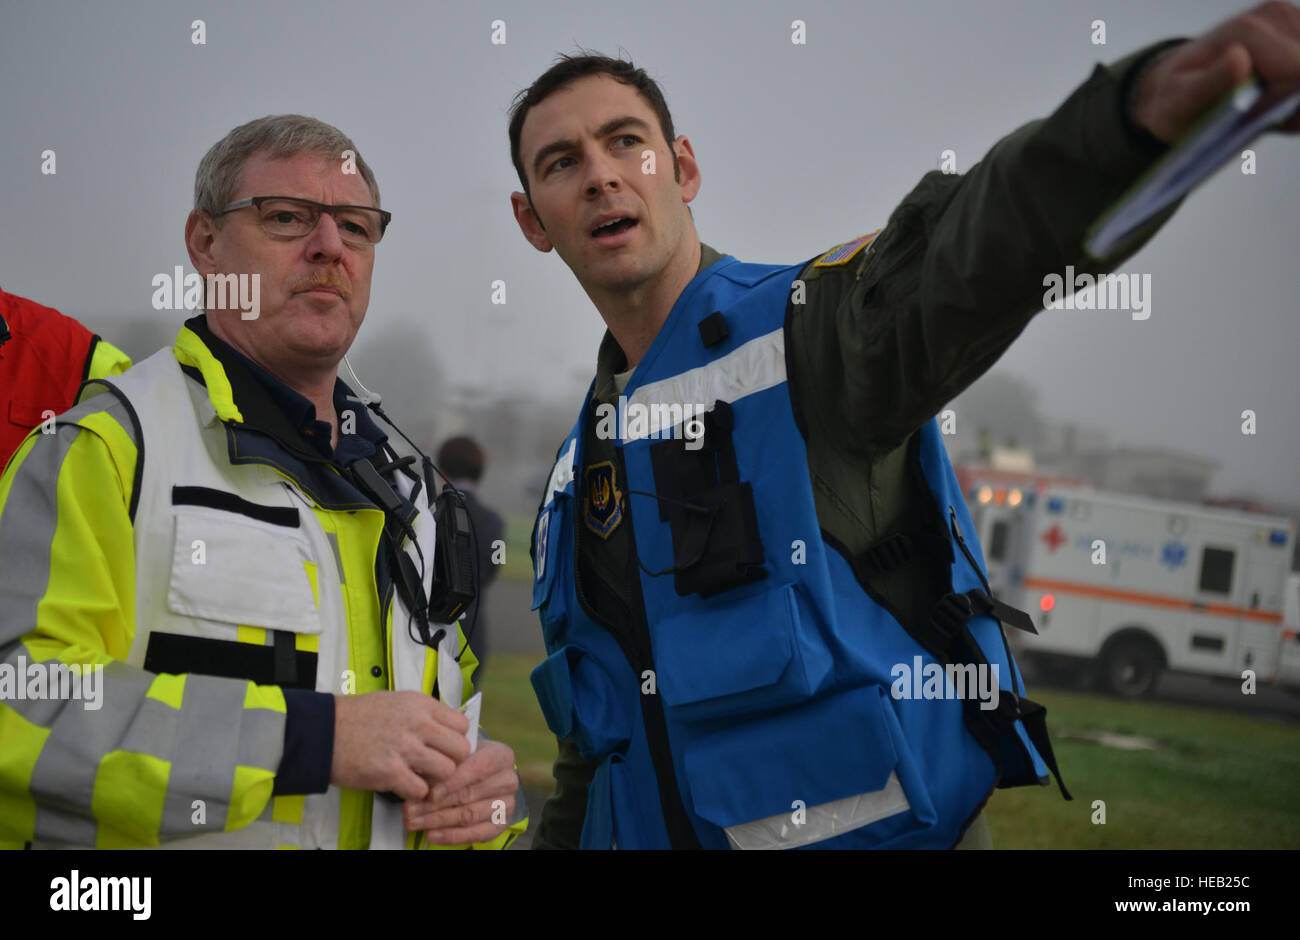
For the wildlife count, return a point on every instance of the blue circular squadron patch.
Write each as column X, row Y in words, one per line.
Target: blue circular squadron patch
column 603, row 503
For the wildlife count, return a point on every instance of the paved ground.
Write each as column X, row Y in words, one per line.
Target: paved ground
column 1202, row 692
column 514, row 627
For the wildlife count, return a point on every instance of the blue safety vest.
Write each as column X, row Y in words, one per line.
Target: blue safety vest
column 763, row 698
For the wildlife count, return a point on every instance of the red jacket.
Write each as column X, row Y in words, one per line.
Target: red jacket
column 44, row 356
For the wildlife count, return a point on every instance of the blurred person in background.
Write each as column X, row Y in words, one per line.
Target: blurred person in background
column 461, row 459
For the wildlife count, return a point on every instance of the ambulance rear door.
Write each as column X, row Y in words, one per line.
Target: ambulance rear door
column 1219, row 567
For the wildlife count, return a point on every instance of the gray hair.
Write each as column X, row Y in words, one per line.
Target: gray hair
column 278, row 136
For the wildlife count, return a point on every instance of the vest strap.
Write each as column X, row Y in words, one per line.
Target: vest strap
column 949, row 639
column 886, row 555
column 894, row 551
column 953, row 610
column 1034, row 718
column 719, row 422
column 175, row 653
column 286, row 660
column 1012, row 616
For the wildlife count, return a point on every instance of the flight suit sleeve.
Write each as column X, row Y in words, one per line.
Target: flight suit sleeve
column 884, row 341
column 565, row 810
column 123, row 758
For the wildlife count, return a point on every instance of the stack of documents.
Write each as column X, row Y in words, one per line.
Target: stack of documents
column 1216, row 139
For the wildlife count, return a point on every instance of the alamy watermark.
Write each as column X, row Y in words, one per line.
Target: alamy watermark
column 1084, row 291
column 949, row 681
column 181, row 291
column 52, row 680
column 103, row 893
column 633, row 421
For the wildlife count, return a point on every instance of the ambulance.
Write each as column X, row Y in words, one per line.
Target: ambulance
column 998, row 500
column 1129, row 587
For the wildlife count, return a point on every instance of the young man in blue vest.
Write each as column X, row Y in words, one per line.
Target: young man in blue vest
column 733, row 593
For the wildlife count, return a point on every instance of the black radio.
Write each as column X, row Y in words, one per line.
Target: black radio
column 454, row 558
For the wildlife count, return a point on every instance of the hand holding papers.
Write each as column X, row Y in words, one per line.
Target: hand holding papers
column 1242, row 116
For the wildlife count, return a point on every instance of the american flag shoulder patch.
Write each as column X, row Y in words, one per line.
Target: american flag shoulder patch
column 843, row 254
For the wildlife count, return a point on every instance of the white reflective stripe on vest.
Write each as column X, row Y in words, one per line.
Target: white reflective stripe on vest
column 561, row 473
column 824, row 821
column 754, row 367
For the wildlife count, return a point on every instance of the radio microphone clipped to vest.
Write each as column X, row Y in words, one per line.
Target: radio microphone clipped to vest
column 455, row 556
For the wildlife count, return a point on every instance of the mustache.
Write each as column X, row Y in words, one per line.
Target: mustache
column 330, row 279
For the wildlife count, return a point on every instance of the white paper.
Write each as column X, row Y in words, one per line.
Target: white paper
column 1218, row 139
column 471, row 711
column 450, row 680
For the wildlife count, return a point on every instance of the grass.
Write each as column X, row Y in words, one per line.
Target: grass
column 1215, row 780
column 511, row 714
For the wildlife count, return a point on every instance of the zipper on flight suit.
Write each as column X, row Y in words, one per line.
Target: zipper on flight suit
column 637, row 649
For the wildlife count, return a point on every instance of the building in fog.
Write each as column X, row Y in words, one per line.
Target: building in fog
column 1086, row 454
column 1158, row 473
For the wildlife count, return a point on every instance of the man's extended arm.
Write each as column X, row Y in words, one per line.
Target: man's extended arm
column 885, row 342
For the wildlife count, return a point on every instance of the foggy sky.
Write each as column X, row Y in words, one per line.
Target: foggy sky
column 801, row 147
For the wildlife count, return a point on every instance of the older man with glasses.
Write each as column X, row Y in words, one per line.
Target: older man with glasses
column 225, row 539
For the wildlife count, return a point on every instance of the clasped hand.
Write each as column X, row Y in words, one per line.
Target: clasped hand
column 415, row 746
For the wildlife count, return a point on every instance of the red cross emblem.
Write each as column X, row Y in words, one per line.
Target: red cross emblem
column 1054, row 537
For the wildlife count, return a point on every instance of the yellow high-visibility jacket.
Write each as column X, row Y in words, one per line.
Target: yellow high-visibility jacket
column 192, row 554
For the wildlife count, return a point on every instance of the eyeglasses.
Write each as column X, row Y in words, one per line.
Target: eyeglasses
column 286, row 216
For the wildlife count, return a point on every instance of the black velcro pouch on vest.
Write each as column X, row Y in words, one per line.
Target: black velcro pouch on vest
column 710, row 512
column 279, row 664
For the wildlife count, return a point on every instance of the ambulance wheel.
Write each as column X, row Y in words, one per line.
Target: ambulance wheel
column 1130, row 669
